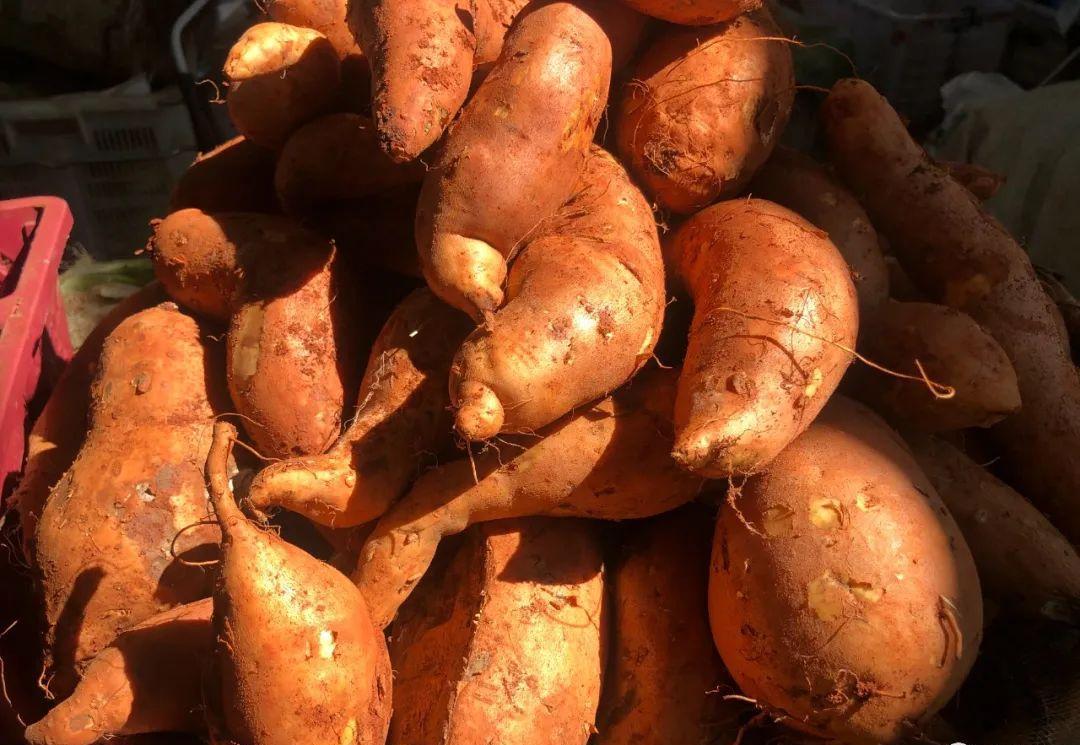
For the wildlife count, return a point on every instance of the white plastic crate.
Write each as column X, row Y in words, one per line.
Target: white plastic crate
column 113, row 156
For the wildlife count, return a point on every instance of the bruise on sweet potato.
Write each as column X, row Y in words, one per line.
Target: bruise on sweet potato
column 962, row 257
column 402, row 413
column 953, row 350
column 842, row 594
column 109, row 545
column 609, row 461
column 236, row 176
column 507, row 643
column 585, row 302
column 704, row 109
column 775, row 322
column 531, row 141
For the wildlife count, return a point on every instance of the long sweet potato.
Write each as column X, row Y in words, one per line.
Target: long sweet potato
column 297, row 659
column 147, row 680
column 704, row 109
column 532, row 140
column 109, row 544
column 1024, row 562
column 402, row 412
column 775, row 322
column 960, row 256
column 585, row 302
column 508, row 643
column 609, row 461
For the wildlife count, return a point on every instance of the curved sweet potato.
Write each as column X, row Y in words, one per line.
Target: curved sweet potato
column 1023, row 561
column 279, row 77
column 842, row 594
column 508, row 644
column 964, row 258
column 298, row 661
column 610, row 461
column 775, row 320
column 236, row 176
column 694, row 12
column 60, row 428
column 109, row 544
column 585, row 302
column 796, row 181
column 147, row 680
column 665, row 682
column 953, row 350
column 336, row 158
column 531, row 140
column 704, row 109
column 402, row 412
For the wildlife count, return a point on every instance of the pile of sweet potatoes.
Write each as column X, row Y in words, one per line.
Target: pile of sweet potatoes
column 394, row 451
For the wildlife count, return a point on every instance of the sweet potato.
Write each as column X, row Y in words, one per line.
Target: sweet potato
column 585, row 302
column 297, row 659
column 508, row 644
column 665, row 682
column 578, row 467
column 336, row 158
column 294, row 328
column 421, row 56
column 960, row 256
column 953, row 351
column 1023, row 561
column 981, row 182
column 109, row 545
column 775, row 321
column 532, row 140
column 60, row 428
column 796, row 181
column 704, row 109
column 491, row 23
column 147, row 680
column 279, row 77
column 694, row 12
column 376, row 230
column 842, row 595
column 402, row 412
column 1068, row 308
column 236, row 176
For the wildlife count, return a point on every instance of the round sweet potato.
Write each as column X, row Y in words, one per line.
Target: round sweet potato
column 842, row 594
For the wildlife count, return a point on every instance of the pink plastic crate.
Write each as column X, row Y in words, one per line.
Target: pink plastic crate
column 33, row 233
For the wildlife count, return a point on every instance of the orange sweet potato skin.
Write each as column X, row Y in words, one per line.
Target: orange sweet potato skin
column 236, row 176
column 694, row 12
column 105, row 543
column 328, row 17
column 509, row 644
column 704, row 109
column 531, row 140
column 960, row 256
column 775, row 322
column 842, row 593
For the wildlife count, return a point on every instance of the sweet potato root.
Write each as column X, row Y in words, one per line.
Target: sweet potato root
column 109, row 544
column 775, row 320
column 961, row 256
column 59, row 430
column 842, row 594
column 297, row 660
column 421, row 55
column 954, row 351
column 508, row 644
column 694, row 12
column 280, row 77
column 236, row 176
column 1024, row 562
column 333, row 159
column 665, row 682
column 532, row 140
column 147, row 680
column 579, row 467
column 585, row 304
column 402, row 412
column 796, row 181
column 704, row 109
